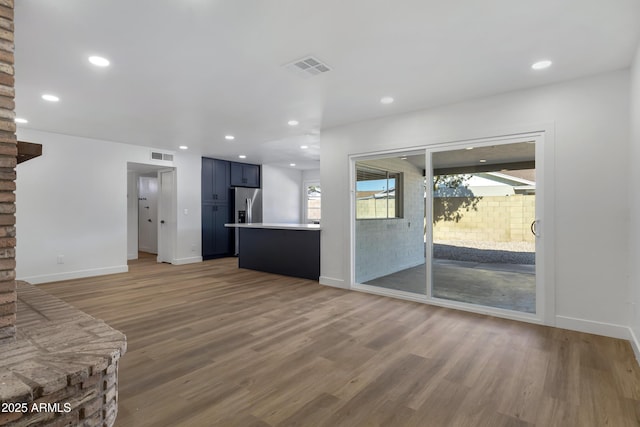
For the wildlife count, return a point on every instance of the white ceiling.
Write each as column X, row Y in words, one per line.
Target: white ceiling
column 191, row 71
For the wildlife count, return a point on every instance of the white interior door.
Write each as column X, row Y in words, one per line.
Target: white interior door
column 167, row 216
column 148, row 214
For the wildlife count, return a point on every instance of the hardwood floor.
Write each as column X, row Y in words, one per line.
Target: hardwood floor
column 212, row 345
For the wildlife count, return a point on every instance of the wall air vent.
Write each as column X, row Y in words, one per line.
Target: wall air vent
column 157, row 155
column 308, row 66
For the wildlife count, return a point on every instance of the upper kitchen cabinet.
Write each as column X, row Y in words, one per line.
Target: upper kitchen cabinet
column 215, row 181
column 245, row 175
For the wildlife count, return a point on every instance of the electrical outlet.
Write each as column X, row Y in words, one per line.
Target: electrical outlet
column 193, row 248
column 60, row 259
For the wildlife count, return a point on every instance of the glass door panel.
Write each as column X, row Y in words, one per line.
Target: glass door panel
column 483, row 213
column 390, row 222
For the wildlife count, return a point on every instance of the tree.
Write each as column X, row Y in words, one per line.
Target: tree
column 313, row 189
column 452, row 197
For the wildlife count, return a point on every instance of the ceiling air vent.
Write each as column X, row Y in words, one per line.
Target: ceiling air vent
column 157, row 155
column 308, row 66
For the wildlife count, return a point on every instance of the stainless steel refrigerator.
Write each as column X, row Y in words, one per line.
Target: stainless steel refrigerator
column 247, row 208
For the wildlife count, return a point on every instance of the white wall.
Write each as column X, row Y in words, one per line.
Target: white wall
column 189, row 232
column 634, row 178
column 311, row 175
column 590, row 122
column 281, row 195
column 72, row 201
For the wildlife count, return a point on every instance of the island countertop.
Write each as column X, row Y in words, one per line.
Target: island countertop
column 277, row 226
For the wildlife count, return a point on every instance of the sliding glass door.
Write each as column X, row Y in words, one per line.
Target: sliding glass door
column 483, row 222
column 456, row 224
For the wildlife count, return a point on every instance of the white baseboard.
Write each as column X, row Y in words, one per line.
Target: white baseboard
column 132, row 256
column 336, row 283
column 592, row 327
column 78, row 274
column 635, row 345
column 190, row 260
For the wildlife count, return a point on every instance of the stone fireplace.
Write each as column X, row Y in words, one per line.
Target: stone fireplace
column 8, row 159
column 58, row 365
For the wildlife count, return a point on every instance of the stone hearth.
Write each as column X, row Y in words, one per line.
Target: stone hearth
column 61, row 357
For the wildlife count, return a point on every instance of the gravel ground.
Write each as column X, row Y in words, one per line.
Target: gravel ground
column 486, row 252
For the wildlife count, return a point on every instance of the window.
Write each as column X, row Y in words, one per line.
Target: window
column 312, row 198
column 378, row 193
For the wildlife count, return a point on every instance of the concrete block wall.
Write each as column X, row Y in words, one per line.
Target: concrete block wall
column 8, row 158
column 375, row 208
column 313, row 208
column 497, row 219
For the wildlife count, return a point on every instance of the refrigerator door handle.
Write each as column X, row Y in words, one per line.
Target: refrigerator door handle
column 249, row 209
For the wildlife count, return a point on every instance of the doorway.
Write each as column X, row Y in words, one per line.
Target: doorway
column 151, row 211
column 148, row 213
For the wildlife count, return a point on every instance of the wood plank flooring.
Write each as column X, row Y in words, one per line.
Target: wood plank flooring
column 213, row 345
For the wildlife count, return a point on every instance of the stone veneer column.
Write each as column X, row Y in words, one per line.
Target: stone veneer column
column 8, row 158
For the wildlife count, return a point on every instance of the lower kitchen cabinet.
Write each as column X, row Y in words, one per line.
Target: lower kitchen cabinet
column 216, row 238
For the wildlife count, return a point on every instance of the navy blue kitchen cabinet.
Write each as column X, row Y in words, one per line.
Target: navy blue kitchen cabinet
column 215, row 180
column 245, row 175
column 216, row 208
column 216, row 238
column 218, row 178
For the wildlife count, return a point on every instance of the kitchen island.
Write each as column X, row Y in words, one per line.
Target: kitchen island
column 287, row 249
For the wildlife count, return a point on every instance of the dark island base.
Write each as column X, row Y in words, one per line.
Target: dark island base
column 288, row 252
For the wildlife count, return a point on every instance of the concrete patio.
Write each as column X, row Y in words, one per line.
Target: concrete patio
column 505, row 285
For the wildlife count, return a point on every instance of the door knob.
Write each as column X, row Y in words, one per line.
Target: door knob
column 162, row 222
column 149, row 220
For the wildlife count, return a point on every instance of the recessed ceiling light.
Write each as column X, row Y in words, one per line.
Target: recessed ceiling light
column 19, row 120
column 293, row 123
column 292, row 164
column 242, row 156
column 469, row 148
column 99, row 61
column 541, row 65
column 229, row 137
column 403, row 158
column 183, row 147
column 50, row 98
column 386, row 100
column 483, row 161
column 304, row 147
